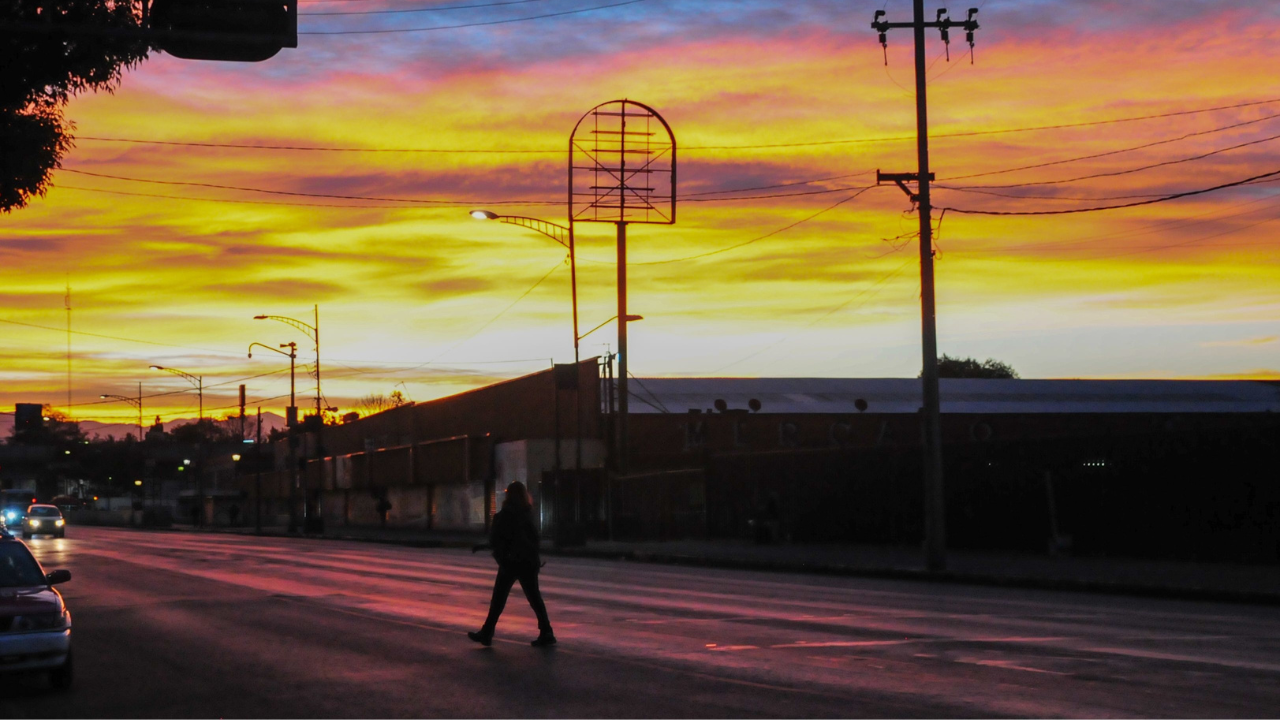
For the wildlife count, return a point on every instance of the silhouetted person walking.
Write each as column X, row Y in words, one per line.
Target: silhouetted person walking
column 514, row 540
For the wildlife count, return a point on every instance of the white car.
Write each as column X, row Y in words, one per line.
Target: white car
column 35, row 626
column 44, row 520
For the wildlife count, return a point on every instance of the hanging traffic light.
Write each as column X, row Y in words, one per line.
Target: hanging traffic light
column 230, row 30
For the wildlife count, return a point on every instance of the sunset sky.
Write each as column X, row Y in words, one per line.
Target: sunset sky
column 420, row 297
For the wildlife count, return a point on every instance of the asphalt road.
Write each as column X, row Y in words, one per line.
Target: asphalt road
column 171, row 624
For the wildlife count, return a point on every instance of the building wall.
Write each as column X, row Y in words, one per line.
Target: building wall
column 434, row 462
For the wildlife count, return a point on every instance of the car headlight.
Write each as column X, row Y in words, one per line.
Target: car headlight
column 60, row 523
column 11, row 514
column 40, row 621
column 35, row 523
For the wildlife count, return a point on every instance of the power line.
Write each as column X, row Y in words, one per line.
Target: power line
column 418, row 10
column 779, row 185
column 413, row 201
column 1131, row 170
column 451, row 203
column 114, row 337
column 1162, row 226
column 494, row 319
column 1095, row 156
column 869, row 289
column 1153, row 201
column 979, row 133
column 823, row 211
column 818, row 143
column 240, row 202
column 313, row 148
column 470, row 25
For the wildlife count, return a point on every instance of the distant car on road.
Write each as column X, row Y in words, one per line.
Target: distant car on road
column 44, row 520
column 35, row 626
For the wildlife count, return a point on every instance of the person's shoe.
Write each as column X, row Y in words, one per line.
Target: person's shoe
column 485, row 639
column 543, row 640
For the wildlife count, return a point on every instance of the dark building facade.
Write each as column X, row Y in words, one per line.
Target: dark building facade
column 1159, row 468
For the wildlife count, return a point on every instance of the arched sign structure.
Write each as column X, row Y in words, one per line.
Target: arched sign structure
column 622, row 166
column 622, row 170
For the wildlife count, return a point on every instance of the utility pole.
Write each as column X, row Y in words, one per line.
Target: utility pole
column 934, row 504
column 242, row 412
column 66, row 300
column 257, row 476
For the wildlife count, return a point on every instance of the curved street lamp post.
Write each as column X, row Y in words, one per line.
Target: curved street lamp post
column 136, row 402
column 312, row 331
column 196, row 381
column 291, row 415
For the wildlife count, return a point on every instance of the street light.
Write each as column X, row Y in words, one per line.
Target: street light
column 630, row 319
column 558, row 233
column 291, row 415
column 314, row 332
column 195, row 380
column 136, row 402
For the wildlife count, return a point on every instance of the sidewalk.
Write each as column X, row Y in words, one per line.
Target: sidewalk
column 1258, row 584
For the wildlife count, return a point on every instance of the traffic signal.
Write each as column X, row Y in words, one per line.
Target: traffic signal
column 231, row 30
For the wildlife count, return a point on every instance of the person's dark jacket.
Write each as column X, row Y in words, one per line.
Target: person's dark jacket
column 514, row 538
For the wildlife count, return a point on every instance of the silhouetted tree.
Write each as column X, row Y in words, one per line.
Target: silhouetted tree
column 377, row 402
column 949, row 367
column 203, row 431
column 39, row 73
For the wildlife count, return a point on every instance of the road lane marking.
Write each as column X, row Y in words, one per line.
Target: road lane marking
column 1009, row 665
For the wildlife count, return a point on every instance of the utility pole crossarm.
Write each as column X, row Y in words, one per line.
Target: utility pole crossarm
column 901, row 180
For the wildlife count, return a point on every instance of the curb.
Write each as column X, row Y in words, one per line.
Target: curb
column 1102, row 587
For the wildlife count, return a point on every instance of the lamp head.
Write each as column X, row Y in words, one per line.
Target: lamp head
column 633, row 318
column 259, row 317
column 484, row 215
column 156, row 367
column 102, row 397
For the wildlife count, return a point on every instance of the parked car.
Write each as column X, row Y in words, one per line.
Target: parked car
column 44, row 520
column 35, row 626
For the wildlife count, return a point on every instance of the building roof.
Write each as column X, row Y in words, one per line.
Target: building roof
column 904, row 395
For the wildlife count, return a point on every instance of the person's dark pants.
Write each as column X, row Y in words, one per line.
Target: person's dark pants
column 507, row 576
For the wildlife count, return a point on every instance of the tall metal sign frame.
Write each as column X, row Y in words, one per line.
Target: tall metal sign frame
column 622, row 170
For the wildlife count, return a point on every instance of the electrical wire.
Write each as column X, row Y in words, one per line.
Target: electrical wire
column 419, row 10
column 114, row 337
column 779, row 185
column 981, row 133
column 451, row 203
column 1139, row 203
column 486, row 23
column 495, row 318
column 1129, row 171
column 688, row 148
column 874, row 287
column 278, row 203
column 412, row 201
column 1109, row 153
column 767, row 235
column 1157, row 227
